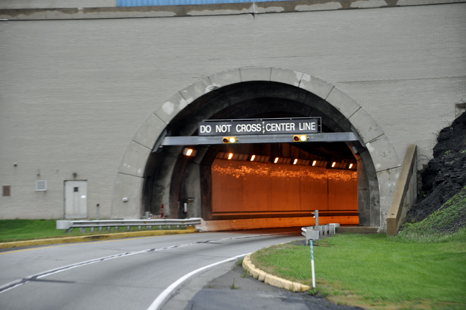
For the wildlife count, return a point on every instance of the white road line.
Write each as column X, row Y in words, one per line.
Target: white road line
column 168, row 291
column 18, row 283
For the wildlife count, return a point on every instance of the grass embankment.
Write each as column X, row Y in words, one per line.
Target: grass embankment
column 424, row 267
column 441, row 226
column 17, row 230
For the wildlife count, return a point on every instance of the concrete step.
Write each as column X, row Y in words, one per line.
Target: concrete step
column 357, row 229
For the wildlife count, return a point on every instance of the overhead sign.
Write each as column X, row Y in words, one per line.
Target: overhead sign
column 265, row 126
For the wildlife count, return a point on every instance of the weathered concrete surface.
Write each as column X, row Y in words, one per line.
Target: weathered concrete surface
column 73, row 98
column 89, row 9
column 41, row 4
column 405, row 193
column 134, row 160
column 127, row 187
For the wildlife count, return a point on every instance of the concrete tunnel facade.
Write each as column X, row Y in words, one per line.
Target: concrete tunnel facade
column 147, row 179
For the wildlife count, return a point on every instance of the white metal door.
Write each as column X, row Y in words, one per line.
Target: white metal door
column 75, row 199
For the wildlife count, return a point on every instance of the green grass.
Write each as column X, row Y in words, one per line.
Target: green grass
column 424, row 267
column 16, row 230
column 373, row 271
column 447, row 223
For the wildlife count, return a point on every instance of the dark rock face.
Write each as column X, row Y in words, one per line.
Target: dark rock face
column 445, row 174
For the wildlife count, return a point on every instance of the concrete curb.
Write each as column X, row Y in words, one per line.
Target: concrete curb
column 271, row 279
column 76, row 239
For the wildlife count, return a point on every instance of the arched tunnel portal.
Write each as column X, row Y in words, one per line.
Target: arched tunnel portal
column 339, row 179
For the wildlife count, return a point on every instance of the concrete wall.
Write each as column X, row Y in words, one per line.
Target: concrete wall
column 75, row 92
column 39, row 4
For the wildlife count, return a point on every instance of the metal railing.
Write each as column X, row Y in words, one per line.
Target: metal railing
column 148, row 224
column 318, row 231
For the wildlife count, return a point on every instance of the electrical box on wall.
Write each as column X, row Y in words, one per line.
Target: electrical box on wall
column 41, row 185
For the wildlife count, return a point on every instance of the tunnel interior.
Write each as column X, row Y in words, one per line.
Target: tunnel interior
column 277, row 180
column 282, row 180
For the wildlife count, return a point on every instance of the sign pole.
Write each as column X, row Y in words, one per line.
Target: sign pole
column 311, row 244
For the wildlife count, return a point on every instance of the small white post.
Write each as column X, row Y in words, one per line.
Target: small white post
column 316, row 216
column 311, row 243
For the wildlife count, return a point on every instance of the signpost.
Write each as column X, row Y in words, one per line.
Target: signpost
column 264, row 126
column 311, row 245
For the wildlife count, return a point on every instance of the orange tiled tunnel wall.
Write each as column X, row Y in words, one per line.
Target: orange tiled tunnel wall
column 265, row 189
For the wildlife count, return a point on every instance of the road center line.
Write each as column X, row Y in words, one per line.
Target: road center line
column 20, row 282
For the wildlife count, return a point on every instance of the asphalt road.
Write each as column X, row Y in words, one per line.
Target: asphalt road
column 123, row 274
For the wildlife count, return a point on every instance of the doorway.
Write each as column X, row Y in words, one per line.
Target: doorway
column 75, row 199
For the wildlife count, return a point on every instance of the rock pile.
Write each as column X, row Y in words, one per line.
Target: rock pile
column 445, row 174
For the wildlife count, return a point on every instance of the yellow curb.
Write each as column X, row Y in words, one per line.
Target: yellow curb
column 271, row 279
column 74, row 239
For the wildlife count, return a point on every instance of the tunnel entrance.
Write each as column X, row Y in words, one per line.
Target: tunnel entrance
column 283, row 180
column 338, row 179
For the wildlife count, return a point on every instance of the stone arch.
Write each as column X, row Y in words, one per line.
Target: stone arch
column 129, row 181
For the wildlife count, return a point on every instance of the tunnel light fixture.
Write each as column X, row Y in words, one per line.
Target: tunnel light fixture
column 229, row 140
column 230, row 156
column 300, row 138
column 295, row 161
column 333, row 164
column 253, row 157
column 314, row 163
column 276, row 160
column 189, row 152
column 350, row 166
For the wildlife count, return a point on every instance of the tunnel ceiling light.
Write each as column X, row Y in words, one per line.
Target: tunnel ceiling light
column 252, row 157
column 230, row 156
column 300, row 138
column 314, row 163
column 229, row 140
column 276, row 160
column 189, row 152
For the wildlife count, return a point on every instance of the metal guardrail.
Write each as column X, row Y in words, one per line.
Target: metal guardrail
column 100, row 224
column 318, row 231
